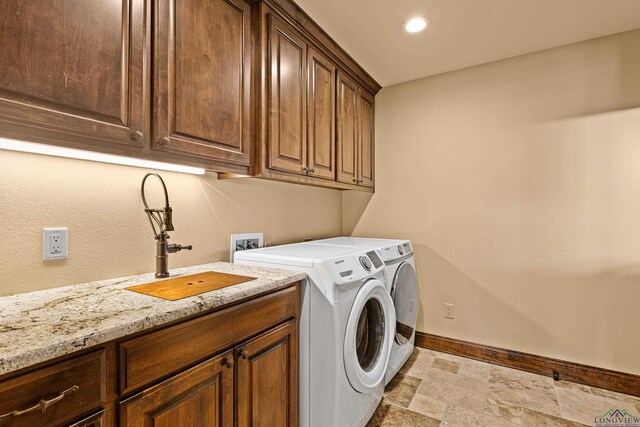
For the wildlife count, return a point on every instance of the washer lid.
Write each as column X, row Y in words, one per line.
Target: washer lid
column 296, row 254
column 404, row 292
column 368, row 337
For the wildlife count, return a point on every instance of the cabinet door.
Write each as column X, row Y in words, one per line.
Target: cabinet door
column 365, row 154
column 95, row 420
column 73, row 71
column 321, row 115
column 202, row 79
column 268, row 379
column 287, row 142
column 200, row 396
column 347, row 170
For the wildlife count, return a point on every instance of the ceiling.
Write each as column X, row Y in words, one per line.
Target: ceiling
column 463, row 33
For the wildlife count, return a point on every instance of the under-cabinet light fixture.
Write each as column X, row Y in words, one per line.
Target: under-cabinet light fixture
column 72, row 153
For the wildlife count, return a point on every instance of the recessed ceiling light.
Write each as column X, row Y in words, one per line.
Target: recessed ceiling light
column 417, row 24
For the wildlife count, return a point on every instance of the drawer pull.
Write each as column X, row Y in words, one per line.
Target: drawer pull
column 41, row 406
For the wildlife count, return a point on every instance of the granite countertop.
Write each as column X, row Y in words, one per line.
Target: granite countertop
column 42, row 325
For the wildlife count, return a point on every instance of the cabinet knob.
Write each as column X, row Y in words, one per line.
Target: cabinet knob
column 244, row 353
column 227, row 362
column 312, row 170
column 305, row 170
column 355, row 180
column 164, row 141
column 137, row 135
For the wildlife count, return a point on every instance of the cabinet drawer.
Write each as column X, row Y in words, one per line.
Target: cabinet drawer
column 158, row 354
column 54, row 394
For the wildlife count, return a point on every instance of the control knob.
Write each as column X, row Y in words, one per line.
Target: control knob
column 365, row 263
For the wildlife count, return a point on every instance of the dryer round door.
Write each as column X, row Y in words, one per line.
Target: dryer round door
column 404, row 292
column 368, row 337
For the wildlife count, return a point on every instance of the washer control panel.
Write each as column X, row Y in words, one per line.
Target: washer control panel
column 396, row 250
column 358, row 266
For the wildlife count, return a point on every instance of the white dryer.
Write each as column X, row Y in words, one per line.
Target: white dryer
column 402, row 284
column 346, row 329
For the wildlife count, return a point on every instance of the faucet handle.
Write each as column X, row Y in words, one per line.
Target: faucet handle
column 174, row 247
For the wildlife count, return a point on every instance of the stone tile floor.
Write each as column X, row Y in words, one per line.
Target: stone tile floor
column 438, row 389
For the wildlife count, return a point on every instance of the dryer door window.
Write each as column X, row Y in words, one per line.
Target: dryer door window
column 368, row 337
column 404, row 292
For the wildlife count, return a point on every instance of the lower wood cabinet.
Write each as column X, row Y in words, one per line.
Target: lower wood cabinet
column 266, row 387
column 268, row 379
column 231, row 366
column 54, row 394
column 95, row 420
column 200, row 396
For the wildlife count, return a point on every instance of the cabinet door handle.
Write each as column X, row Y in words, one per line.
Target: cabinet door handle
column 164, row 141
column 312, row 170
column 228, row 362
column 41, row 406
column 244, row 353
column 305, row 170
column 355, row 180
column 137, row 135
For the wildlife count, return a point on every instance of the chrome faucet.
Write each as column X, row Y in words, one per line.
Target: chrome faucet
column 164, row 219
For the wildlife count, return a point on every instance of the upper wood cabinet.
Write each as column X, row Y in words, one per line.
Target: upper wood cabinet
column 242, row 87
column 321, row 115
column 366, row 149
column 355, row 135
column 308, row 97
column 287, row 98
column 74, row 72
column 202, row 57
column 301, row 100
column 347, row 138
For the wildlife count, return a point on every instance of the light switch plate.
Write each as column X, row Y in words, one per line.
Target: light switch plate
column 55, row 243
column 244, row 241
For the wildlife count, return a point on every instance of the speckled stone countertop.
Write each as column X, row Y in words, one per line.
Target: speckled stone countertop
column 42, row 325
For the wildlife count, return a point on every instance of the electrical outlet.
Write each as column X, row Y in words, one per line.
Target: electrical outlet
column 244, row 241
column 449, row 312
column 55, row 243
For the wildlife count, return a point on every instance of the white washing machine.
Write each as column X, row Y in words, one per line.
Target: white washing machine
column 402, row 284
column 346, row 329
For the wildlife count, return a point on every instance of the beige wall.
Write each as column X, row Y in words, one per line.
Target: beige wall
column 519, row 184
column 109, row 235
